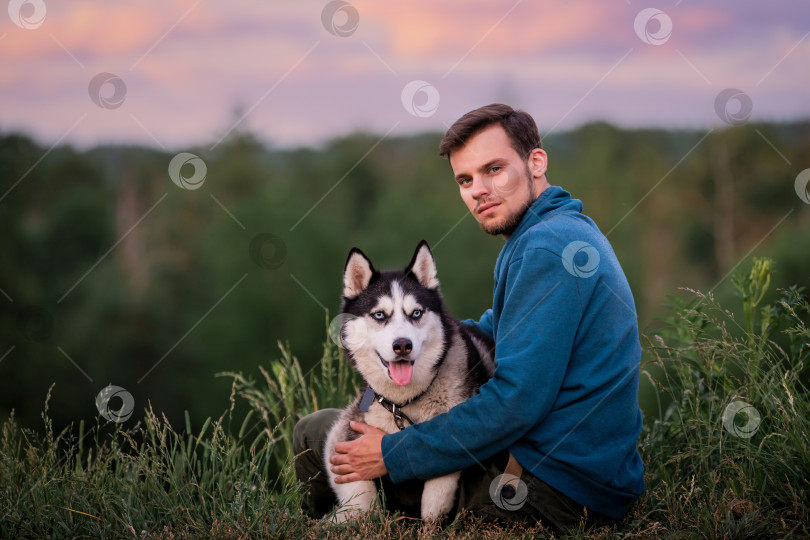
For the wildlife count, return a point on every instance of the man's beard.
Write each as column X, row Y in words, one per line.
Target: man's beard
column 512, row 222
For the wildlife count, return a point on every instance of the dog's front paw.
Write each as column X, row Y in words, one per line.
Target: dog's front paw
column 438, row 496
column 344, row 514
column 356, row 500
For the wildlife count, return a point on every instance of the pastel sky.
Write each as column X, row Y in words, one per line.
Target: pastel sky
column 187, row 72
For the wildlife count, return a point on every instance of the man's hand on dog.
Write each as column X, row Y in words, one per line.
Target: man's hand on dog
column 360, row 459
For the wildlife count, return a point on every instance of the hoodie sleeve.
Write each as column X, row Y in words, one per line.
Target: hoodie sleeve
column 535, row 333
column 484, row 323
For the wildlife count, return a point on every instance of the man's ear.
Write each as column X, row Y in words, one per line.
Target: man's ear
column 423, row 266
column 357, row 274
column 537, row 162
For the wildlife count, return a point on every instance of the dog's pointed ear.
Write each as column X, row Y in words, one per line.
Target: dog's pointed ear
column 423, row 266
column 357, row 274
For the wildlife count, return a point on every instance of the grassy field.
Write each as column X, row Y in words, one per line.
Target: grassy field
column 727, row 454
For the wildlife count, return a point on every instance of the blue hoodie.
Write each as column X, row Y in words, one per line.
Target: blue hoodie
column 564, row 397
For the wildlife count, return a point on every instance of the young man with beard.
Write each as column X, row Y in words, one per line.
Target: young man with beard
column 552, row 436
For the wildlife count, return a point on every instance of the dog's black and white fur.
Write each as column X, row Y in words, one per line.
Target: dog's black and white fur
column 416, row 359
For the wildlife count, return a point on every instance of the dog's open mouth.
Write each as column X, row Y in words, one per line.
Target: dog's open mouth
column 400, row 371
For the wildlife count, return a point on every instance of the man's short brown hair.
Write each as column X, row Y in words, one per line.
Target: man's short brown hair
column 519, row 126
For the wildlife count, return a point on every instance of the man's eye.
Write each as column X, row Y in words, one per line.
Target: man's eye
column 416, row 314
column 496, row 169
column 464, row 181
column 378, row 315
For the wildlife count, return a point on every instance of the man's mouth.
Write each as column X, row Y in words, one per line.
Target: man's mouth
column 487, row 208
column 400, row 371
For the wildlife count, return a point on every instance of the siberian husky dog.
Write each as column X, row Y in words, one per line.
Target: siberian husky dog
column 417, row 362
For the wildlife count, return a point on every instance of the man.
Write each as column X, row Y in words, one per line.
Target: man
column 560, row 417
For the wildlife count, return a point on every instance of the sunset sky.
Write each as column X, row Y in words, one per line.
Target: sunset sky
column 187, row 72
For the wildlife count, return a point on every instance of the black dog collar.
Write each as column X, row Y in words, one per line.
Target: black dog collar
column 400, row 417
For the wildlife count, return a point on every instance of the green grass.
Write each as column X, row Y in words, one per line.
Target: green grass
column 154, row 480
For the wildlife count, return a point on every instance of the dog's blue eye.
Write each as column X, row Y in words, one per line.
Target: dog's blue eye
column 416, row 313
column 378, row 315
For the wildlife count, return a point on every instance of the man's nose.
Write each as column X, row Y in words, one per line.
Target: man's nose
column 481, row 187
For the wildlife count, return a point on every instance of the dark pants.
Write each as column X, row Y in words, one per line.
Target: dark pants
column 532, row 501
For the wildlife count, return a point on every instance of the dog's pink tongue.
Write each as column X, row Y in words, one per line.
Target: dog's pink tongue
column 401, row 372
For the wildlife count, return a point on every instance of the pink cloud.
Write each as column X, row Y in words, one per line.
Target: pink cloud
column 453, row 29
column 545, row 56
column 108, row 29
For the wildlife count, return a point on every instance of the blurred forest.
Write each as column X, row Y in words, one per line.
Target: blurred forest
column 112, row 274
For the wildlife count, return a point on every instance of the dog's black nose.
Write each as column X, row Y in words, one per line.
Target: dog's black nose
column 403, row 346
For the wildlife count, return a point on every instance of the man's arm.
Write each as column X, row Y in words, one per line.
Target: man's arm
column 484, row 323
column 536, row 331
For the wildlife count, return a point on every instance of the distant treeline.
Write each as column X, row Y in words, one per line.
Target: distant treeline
column 111, row 273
